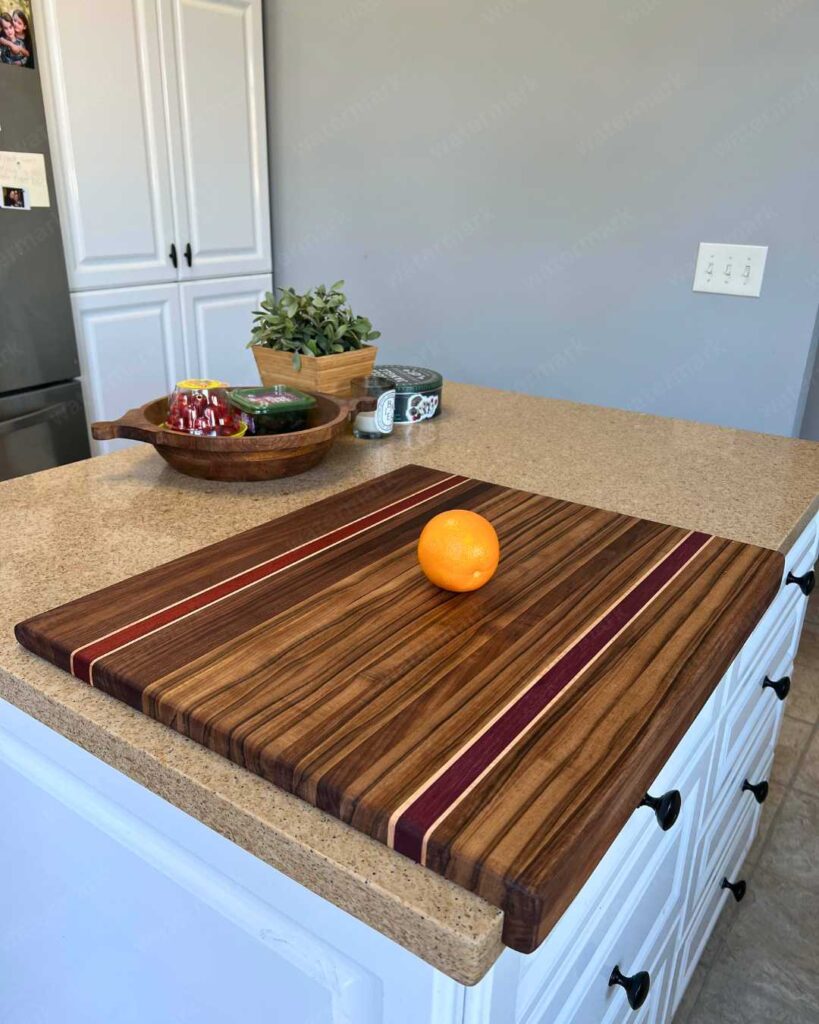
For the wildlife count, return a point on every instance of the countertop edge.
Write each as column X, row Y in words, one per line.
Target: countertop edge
column 798, row 528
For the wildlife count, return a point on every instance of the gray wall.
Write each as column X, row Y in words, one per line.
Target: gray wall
column 514, row 190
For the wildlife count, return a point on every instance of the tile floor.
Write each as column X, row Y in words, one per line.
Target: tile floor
column 761, row 965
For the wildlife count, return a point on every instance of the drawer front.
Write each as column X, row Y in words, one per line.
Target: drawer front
column 645, row 914
column 725, row 819
column 770, row 655
column 758, row 651
column 713, row 898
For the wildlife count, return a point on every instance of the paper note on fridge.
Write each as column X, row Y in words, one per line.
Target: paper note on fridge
column 28, row 171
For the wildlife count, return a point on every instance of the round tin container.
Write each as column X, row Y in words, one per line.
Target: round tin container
column 417, row 392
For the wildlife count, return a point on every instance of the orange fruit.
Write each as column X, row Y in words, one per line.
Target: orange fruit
column 459, row 550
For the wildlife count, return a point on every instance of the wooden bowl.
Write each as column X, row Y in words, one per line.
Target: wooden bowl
column 237, row 458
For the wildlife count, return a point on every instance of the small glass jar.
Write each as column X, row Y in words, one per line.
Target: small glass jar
column 375, row 423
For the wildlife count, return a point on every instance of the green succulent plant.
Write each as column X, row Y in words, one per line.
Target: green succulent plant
column 317, row 323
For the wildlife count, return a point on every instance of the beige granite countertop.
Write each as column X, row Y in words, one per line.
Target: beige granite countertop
column 75, row 529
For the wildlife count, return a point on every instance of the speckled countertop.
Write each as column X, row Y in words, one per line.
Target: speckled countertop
column 75, row 529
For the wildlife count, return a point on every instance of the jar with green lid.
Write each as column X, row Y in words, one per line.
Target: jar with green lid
column 277, row 409
column 417, row 392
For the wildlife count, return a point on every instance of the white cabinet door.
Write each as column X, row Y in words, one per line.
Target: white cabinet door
column 217, row 320
column 105, row 107
column 131, row 349
column 124, row 910
column 214, row 66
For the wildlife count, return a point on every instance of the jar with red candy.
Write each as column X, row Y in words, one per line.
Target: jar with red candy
column 202, row 407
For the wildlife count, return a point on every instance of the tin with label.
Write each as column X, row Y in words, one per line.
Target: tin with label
column 417, row 392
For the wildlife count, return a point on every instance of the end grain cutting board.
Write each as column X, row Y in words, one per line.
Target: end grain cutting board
column 502, row 738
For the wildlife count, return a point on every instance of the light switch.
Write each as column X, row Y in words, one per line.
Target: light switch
column 730, row 269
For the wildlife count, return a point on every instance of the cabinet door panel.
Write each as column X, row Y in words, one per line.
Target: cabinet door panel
column 146, row 916
column 220, row 159
column 217, row 320
column 105, row 106
column 131, row 349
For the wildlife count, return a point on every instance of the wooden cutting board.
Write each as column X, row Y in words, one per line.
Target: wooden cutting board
column 503, row 737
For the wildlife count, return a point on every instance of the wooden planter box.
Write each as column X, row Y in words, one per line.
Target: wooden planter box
column 328, row 374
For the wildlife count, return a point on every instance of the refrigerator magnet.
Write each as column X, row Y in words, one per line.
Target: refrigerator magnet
column 14, row 197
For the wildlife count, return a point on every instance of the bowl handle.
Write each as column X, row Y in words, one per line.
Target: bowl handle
column 134, row 425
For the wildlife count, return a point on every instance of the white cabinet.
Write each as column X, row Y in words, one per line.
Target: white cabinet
column 156, row 113
column 108, row 138
column 217, row 136
column 216, row 317
column 141, row 915
column 131, row 348
column 135, row 343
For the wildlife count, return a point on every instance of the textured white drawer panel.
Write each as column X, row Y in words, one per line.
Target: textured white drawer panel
column 727, row 864
column 758, row 654
column 732, row 801
column 645, row 912
column 657, row 1008
column 773, row 648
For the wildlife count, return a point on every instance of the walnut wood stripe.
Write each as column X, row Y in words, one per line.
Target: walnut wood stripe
column 83, row 660
column 508, row 733
column 131, row 673
column 411, row 825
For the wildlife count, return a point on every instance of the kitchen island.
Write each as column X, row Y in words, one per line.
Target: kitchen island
column 409, row 941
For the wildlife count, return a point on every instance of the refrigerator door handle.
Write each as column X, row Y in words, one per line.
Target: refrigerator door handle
column 32, row 419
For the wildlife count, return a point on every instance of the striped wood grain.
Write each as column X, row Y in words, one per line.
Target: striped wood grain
column 501, row 738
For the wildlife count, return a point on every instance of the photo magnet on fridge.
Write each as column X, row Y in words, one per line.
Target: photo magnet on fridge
column 14, row 197
column 16, row 43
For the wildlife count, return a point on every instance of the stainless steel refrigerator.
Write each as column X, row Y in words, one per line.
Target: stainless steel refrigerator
column 42, row 418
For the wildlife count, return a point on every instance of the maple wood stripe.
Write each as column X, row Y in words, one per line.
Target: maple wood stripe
column 83, row 659
column 411, row 826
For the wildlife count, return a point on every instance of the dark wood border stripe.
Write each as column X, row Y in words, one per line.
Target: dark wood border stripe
column 412, row 824
column 83, row 659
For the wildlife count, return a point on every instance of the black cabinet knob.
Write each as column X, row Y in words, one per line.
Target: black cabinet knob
column 759, row 789
column 172, row 255
column 666, row 807
column 781, row 687
column 188, row 255
column 806, row 582
column 636, row 986
column 737, row 888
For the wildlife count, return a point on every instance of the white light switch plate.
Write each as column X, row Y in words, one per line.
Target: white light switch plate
column 730, row 269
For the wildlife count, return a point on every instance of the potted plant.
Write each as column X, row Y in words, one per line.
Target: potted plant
column 312, row 341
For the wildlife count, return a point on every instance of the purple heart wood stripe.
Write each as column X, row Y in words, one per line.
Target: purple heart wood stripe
column 412, row 824
column 84, row 658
